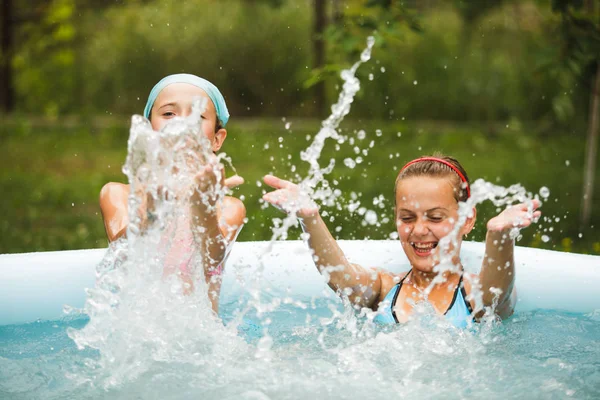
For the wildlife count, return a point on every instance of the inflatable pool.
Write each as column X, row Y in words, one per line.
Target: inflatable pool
column 36, row 286
column 303, row 343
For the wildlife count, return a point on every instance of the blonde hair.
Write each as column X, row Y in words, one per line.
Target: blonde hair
column 432, row 168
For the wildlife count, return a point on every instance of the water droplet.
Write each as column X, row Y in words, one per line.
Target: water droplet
column 287, row 125
column 361, row 134
column 72, row 204
column 545, row 238
column 370, row 77
column 544, row 192
column 371, row 217
column 378, row 132
column 415, row 82
column 580, row 235
column 567, row 163
column 348, row 162
column 382, row 69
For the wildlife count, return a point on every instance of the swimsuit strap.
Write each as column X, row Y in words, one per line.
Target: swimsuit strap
column 460, row 287
column 467, row 302
column 398, row 287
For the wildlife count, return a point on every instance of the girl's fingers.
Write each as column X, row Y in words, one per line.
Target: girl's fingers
column 234, row 181
column 277, row 183
column 277, row 197
column 535, row 204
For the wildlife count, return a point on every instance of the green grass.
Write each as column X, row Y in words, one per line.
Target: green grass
column 51, row 174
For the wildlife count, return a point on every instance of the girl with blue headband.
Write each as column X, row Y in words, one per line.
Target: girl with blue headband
column 427, row 195
column 173, row 97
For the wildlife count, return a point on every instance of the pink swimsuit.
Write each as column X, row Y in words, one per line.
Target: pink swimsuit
column 183, row 248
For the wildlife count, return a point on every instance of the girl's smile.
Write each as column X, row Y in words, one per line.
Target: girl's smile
column 426, row 210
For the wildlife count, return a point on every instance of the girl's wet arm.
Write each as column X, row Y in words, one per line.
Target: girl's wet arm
column 497, row 274
column 362, row 286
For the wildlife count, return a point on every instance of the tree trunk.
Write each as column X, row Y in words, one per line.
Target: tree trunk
column 7, row 102
column 319, row 53
column 338, row 14
column 592, row 151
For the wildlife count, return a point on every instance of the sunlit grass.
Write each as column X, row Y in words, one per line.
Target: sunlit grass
column 51, row 175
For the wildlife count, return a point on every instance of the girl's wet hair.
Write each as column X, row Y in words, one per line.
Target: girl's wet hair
column 438, row 169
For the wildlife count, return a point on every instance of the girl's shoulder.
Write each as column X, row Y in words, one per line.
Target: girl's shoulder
column 113, row 192
column 388, row 281
column 233, row 211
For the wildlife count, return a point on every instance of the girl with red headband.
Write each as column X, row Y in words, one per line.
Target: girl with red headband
column 427, row 195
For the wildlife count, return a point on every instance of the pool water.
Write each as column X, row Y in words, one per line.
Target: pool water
column 321, row 350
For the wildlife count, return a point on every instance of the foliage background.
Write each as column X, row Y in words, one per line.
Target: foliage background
column 484, row 83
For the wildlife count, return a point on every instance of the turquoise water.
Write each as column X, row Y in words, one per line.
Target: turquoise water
column 309, row 353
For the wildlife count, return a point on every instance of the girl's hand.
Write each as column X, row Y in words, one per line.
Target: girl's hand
column 206, row 178
column 289, row 197
column 517, row 216
column 234, row 181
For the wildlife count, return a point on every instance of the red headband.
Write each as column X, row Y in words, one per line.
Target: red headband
column 453, row 167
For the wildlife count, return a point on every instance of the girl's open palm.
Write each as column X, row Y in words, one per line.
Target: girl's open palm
column 289, row 197
column 517, row 216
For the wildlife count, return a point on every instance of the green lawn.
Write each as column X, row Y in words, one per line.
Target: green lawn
column 51, row 174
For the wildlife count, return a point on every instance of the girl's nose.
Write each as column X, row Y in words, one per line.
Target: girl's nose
column 420, row 227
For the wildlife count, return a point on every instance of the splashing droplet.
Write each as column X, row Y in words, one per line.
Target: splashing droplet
column 545, row 238
column 371, row 217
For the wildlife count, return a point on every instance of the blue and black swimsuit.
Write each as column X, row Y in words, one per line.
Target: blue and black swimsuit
column 458, row 314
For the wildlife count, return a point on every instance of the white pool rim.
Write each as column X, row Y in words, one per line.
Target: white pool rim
column 36, row 286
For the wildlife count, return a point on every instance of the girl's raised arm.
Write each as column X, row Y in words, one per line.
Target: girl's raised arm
column 362, row 286
column 497, row 276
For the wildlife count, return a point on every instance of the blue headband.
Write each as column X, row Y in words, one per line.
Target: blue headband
column 210, row 89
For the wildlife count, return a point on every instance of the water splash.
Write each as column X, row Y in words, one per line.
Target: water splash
column 147, row 332
column 315, row 186
column 146, row 309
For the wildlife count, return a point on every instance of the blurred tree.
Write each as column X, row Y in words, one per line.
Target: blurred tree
column 471, row 11
column 6, row 49
column 319, row 24
column 46, row 30
column 355, row 19
column 344, row 39
column 580, row 54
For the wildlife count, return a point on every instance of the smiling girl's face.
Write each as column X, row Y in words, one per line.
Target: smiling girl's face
column 176, row 100
column 426, row 211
